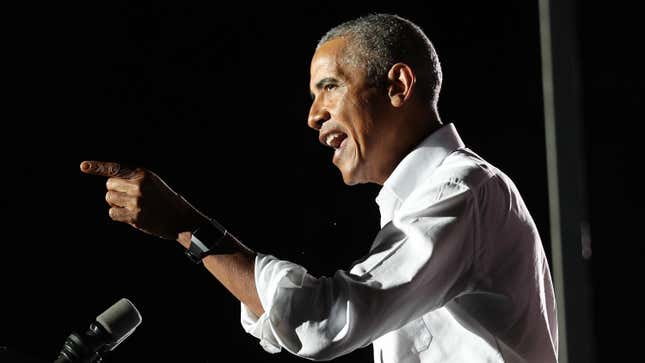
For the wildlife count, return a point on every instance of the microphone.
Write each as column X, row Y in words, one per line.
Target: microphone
column 109, row 330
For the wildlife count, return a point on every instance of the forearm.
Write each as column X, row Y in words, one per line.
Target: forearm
column 236, row 272
column 235, row 269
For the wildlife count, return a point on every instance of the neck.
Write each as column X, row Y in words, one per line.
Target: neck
column 409, row 136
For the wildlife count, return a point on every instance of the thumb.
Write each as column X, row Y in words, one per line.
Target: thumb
column 106, row 168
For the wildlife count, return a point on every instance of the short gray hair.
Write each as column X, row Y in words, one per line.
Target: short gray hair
column 378, row 41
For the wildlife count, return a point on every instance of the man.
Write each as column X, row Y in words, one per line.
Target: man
column 457, row 272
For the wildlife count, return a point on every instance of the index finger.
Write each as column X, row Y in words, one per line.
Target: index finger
column 105, row 168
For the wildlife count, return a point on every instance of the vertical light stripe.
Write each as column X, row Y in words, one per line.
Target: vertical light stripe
column 552, row 174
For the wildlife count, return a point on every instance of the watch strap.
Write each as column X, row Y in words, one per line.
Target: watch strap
column 206, row 240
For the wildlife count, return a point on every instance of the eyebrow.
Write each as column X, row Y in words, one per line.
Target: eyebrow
column 322, row 83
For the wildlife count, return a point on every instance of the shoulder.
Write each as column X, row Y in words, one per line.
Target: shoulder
column 460, row 177
column 464, row 167
column 462, row 170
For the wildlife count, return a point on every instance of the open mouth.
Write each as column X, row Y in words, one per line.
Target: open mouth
column 335, row 139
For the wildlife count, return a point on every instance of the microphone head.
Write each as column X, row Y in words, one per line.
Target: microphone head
column 119, row 320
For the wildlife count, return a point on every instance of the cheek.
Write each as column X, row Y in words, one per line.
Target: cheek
column 356, row 117
column 356, row 122
column 362, row 129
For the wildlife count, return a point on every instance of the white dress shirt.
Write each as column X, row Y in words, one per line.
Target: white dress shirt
column 456, row 274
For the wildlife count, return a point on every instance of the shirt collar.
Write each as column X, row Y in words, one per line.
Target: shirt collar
column 417, row 165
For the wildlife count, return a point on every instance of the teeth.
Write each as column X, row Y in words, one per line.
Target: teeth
column 330, row 138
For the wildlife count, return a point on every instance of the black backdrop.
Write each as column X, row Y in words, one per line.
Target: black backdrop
column 214, row 99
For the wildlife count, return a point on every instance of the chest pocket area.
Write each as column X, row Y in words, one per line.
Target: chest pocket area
column 406, row 342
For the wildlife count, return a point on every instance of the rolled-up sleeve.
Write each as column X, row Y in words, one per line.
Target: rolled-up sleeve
column 418, row 262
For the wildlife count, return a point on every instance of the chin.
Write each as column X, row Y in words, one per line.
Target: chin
column 350, row 177
column 350, row 182
column 347, row 177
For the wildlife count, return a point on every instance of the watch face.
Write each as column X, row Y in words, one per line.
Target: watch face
column 200, row 246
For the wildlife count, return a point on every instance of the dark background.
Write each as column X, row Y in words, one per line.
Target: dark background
column 214, row 99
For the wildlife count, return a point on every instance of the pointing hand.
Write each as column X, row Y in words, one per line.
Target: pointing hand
column 142, row 199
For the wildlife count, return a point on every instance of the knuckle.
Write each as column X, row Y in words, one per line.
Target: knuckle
column 113, row 168
column 143, row 175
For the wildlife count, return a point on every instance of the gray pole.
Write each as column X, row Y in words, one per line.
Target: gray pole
column 570, row 242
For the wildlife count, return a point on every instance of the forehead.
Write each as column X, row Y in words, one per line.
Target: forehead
column 326, row 60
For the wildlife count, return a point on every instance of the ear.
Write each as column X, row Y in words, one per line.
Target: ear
column 402, row 81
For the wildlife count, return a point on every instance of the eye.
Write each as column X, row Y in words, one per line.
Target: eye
column 329, row 87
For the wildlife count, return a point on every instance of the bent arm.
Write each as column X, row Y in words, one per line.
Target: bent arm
column 417, row 264
column 140, row 198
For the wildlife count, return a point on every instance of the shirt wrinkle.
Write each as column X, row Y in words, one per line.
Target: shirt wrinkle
column 457, row 273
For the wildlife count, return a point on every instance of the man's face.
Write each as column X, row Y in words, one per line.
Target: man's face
column 349, row 114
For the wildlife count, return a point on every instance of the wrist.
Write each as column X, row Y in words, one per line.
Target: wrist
column 207, row 238
column 184, row 239
column 190, row 221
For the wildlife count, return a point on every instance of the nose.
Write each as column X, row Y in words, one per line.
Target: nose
column 317, row 115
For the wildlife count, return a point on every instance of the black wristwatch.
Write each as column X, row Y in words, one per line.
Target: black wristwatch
column 206, row 240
